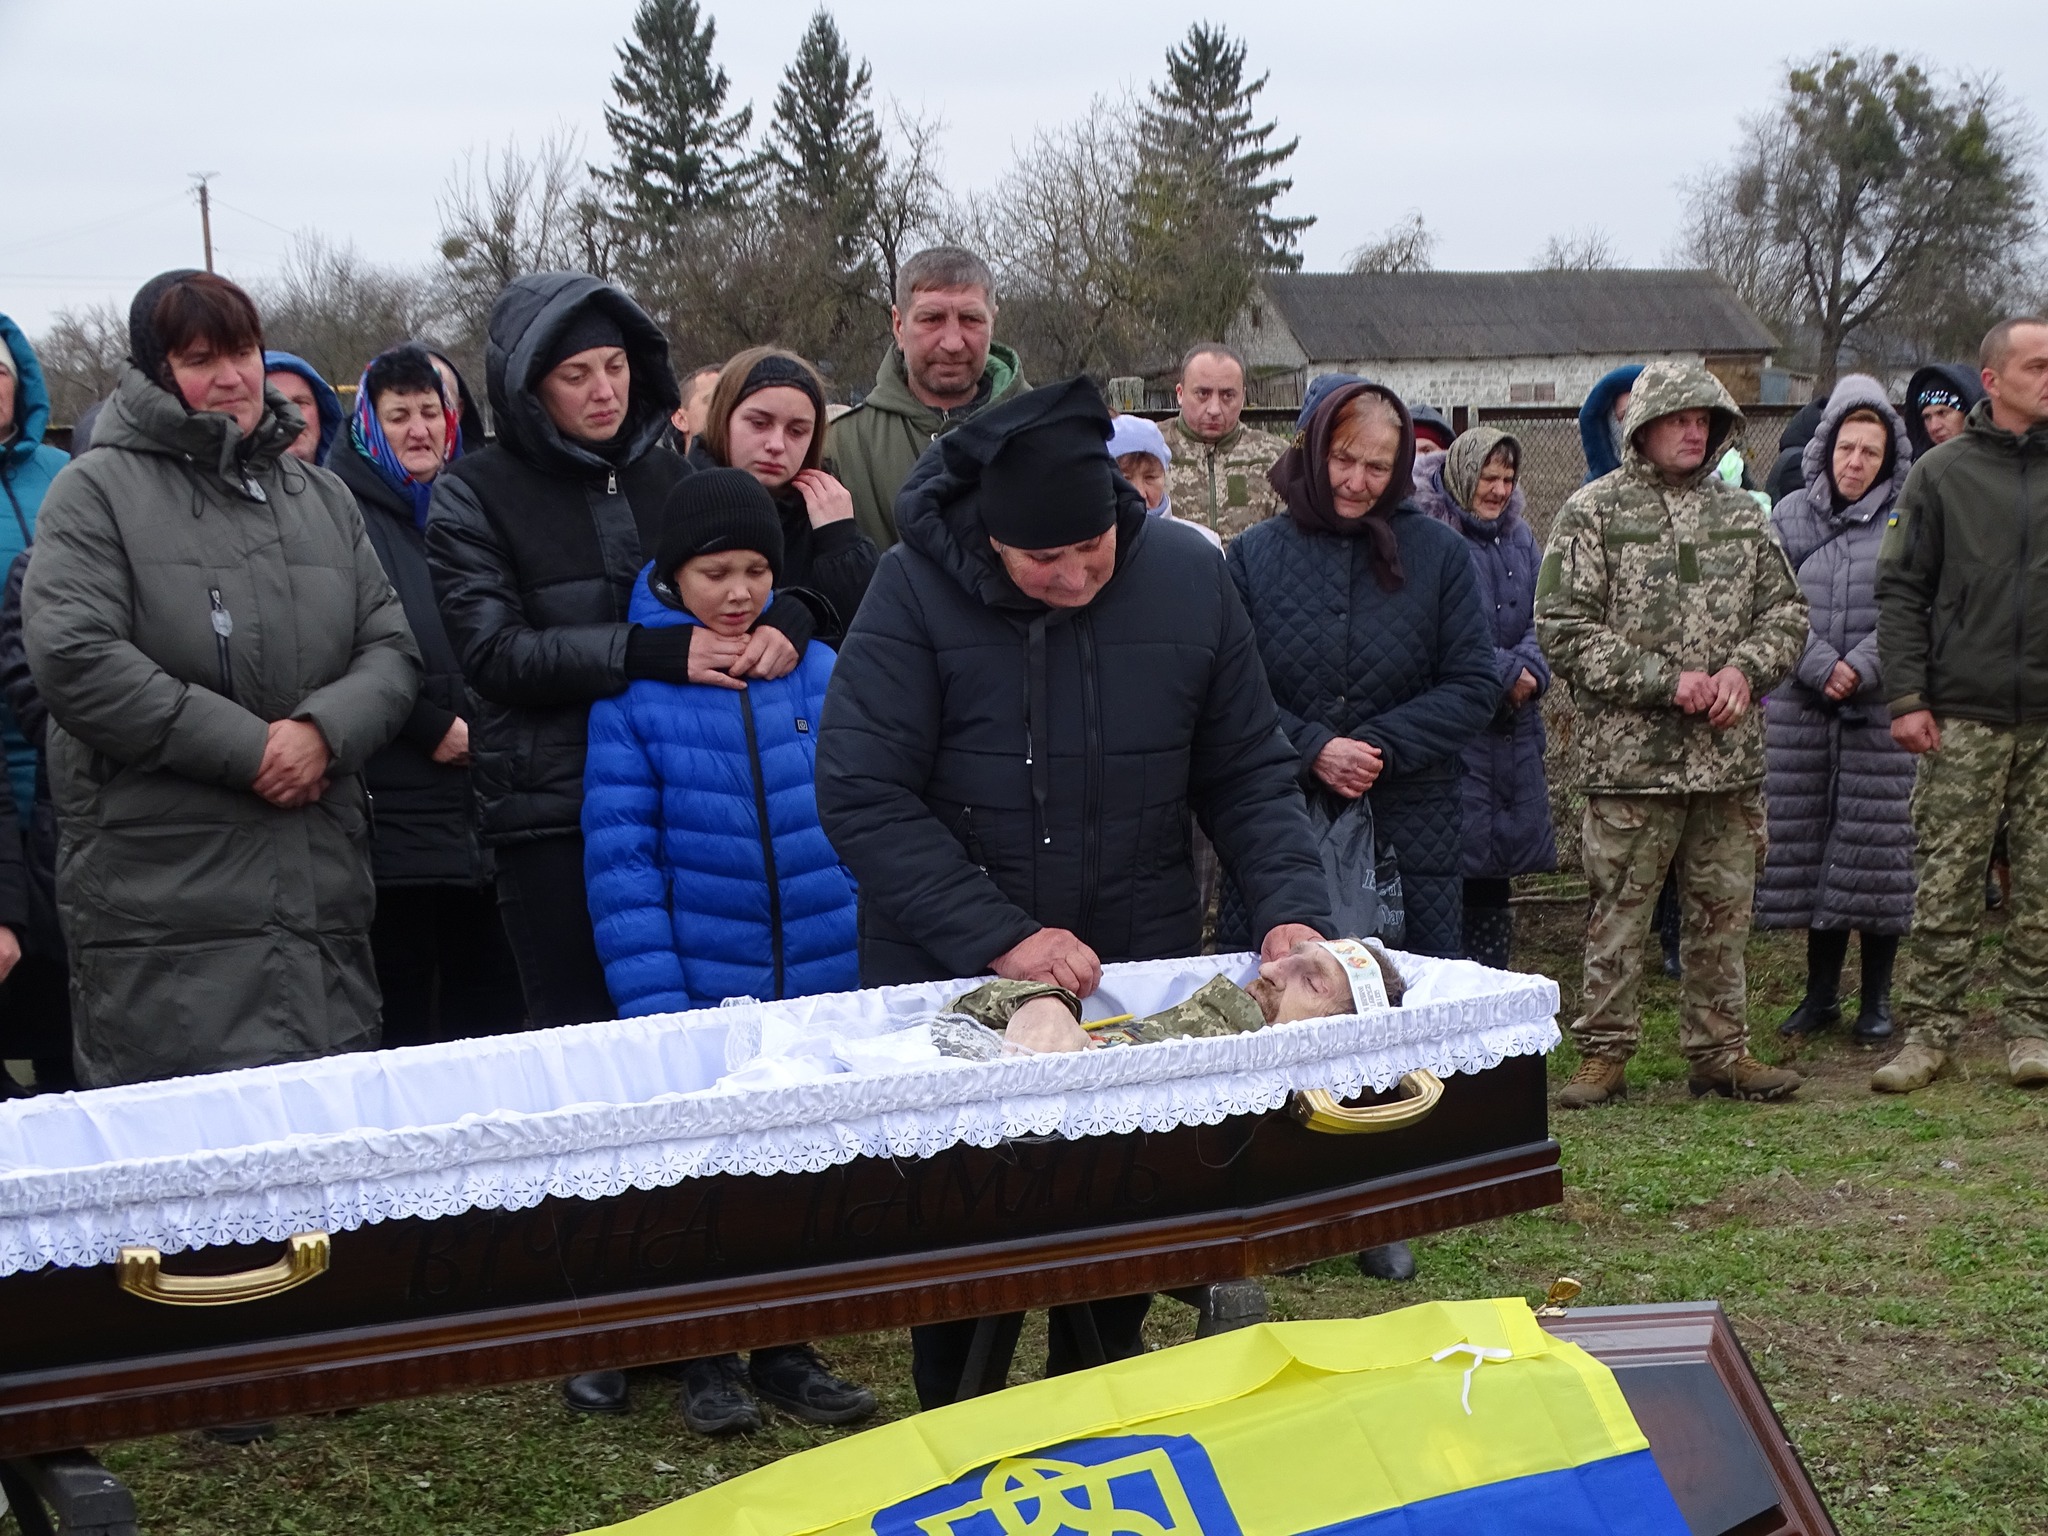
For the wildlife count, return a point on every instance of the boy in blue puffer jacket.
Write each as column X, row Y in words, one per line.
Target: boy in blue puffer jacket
column 707, row 873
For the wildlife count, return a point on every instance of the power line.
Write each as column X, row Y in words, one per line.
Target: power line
column 56, row 237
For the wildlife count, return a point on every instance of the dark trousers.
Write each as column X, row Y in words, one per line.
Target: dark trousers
column 938, row 1351
column 540, row 898
column 35, row 1020
column 443, row 964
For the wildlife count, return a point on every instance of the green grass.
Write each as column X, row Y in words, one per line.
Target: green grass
column 1885, row 1263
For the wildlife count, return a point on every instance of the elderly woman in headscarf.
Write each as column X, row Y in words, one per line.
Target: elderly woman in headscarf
column 1473, row 488
column 1368, row 622
column 1837, row 788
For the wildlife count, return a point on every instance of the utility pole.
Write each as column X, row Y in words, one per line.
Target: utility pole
column 200, row 179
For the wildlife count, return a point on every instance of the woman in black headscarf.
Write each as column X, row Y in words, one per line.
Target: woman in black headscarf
column 1368, row 622
column 767, row 417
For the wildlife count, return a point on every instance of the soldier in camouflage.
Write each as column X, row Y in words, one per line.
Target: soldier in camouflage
column 1312, row 981
column 1962, row 639
column 1666, row 605
column 1218, row 474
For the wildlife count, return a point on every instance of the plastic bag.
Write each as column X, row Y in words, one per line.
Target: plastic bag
column 1364, row 877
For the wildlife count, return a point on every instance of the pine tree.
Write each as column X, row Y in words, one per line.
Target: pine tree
column 1203, row 153
column 676, row 154
column 825, row 146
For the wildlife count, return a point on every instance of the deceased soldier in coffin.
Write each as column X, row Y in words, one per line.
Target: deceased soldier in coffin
column 1312, row 981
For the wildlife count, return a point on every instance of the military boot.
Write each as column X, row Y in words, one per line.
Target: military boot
column 1599, row 1080
column 1743, row 1078
column 1912, row 1069
column 2027, row 1059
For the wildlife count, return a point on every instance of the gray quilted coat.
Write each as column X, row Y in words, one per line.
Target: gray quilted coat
column 1837, row 789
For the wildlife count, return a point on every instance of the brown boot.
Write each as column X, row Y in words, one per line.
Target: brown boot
column 1599, row 1080
column 2027, row 1059
column 1913, row 1068
column 1744, row 1078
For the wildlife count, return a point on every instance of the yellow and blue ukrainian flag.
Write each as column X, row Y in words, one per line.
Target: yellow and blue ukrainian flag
column 1452, row 1417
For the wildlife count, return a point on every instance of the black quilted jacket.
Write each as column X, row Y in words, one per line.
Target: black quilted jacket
column 987, row 765
column 1410, row 672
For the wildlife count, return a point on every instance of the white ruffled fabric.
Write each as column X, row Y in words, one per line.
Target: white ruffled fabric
column 593, row 1110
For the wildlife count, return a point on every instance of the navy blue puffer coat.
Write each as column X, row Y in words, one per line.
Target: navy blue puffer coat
column 1410, row 672
column 707, row 872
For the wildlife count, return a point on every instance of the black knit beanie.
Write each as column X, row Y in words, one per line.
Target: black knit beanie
column 591, row 326
column 1051, row 486
column 774, row 372
column 145, row 348
column 714, row 510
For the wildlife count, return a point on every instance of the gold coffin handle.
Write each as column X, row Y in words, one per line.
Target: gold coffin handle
column 142, row 1274
column 1319, row 1109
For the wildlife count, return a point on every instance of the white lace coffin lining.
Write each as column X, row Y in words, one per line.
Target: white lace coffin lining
column 592, row 1110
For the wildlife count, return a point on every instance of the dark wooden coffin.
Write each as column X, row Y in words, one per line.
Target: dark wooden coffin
column 1717, row 1439
column 413, row 1307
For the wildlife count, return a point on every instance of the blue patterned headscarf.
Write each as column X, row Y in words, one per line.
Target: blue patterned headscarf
column 367, row 433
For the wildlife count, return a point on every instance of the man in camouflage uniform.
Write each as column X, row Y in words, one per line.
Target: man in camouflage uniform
column 1218, row 474
column 1962, row 640
column 1665, row 603
column 1315, row 980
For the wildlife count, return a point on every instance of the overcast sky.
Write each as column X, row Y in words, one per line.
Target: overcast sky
column 1502, row 123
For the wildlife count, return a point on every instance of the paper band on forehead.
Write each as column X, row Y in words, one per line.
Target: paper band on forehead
column 1362, row 970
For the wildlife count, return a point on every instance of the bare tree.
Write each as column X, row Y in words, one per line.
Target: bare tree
column 83, row 355
column 1872, row 191
column 911, row 197
column 1407, row 245
column 509, row 213
column 1057, row 231
column 338, row 311
column 1590, row 249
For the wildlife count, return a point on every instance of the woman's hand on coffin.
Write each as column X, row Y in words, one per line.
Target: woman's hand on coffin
column 1045, row 1024
column 1054, row 955
column 293, row 771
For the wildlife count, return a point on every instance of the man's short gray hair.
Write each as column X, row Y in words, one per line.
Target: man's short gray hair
column 1998, row 341
column 943, row 266
column 1216, row 349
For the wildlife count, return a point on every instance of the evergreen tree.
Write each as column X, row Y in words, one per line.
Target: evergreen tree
column 1202, row 150
column 1202, row 206
column 825, row 147
column 676, row 153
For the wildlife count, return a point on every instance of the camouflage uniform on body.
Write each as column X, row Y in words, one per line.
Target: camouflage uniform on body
column 1642, row 581
column 1980, row 772
column 1223, row 484
column 1220, row 1007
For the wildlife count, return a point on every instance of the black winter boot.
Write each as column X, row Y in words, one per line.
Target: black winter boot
column 1874, row 1007
column 1821, row 1009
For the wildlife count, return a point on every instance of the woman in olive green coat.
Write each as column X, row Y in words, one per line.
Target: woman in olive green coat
column 220, row 652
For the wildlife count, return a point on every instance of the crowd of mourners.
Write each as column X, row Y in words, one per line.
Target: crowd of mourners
column 333, row 724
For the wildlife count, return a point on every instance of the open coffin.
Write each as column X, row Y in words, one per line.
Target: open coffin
column 570, row 1199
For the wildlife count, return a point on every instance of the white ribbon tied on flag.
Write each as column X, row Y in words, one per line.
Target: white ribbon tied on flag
column 1480, row 1355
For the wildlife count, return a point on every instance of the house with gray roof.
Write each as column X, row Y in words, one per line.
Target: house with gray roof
column 1461, row 339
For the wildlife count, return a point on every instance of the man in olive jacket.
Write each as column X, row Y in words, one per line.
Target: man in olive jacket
column 1962, row 640
column 221, row 653
column 943, row 369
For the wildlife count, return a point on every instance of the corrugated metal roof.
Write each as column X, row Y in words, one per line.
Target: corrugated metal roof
column 1396, row 315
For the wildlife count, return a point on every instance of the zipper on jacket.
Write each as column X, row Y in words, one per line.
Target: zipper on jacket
column 767, row 840
column 611, row 483
column 1091, row 773
column 223, row 626
column 2019, row 609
